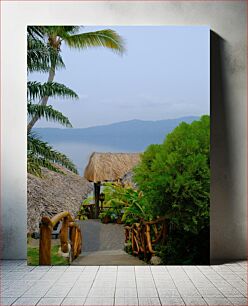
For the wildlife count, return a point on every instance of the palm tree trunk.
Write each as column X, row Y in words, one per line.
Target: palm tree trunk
column 43, row 100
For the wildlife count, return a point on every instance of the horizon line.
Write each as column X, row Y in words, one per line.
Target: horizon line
column 175, row 118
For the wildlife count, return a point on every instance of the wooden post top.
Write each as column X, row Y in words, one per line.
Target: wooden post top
column 55, row 219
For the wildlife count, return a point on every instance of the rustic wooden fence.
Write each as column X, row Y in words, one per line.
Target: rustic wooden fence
column 145, row 235
column 70, row 233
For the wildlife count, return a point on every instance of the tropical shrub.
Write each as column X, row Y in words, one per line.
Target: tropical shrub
column 125, row 202
column 183, row 248
column 88, row 200
column 175, row 180
column 108, row 215
column 136, row 210
column 82, row 213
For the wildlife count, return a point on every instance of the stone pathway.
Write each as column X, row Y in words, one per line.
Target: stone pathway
column 103, row 245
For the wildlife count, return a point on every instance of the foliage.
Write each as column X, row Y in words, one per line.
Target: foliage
column 44, row 55
column 125, row 202
column 111, row 213
column 40, row 56
column 48, row 112
column 33, row 256
column 48, row 58
column 185, row 248
column 37, row 90
column 71, row 37
column 136, row 210
column 41, row 154
column 82, row 213
column 128, row 247
column 88, row 200
column 36, row 32
column 175, row 180
column 114, row 198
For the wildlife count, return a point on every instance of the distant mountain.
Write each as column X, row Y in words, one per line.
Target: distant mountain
column 136, row 134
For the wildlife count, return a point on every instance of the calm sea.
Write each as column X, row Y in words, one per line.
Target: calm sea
column 79, row 152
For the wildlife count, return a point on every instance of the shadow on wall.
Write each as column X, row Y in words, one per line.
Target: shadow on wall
column 222, row 210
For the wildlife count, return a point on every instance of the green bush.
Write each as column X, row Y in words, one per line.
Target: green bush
column 82, row 213
column 183, row 248
column 110, row 213
column 175, row 180
column 126, row 203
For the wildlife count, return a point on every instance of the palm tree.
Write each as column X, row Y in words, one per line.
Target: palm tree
column 39, row 153
column 54, row 37
column 44, row 56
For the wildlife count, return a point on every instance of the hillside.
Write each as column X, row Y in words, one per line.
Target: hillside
column 135, row 133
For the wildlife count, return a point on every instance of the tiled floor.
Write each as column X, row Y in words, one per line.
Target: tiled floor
column 124, row 285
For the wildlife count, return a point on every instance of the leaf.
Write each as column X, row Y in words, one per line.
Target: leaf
column 40, row 56
column 37, row 90
column 40, row 153
column 47, row 112
column 103, row 38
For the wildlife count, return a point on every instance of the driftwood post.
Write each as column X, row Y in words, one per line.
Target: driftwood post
column 45, row 241
column 64, row 235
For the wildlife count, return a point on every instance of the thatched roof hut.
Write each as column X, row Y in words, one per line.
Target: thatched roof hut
column 54, row 193
column 110, row 166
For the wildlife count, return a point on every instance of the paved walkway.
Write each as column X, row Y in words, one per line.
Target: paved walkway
column 103, row 245
column 101, row 237
column 123, row 285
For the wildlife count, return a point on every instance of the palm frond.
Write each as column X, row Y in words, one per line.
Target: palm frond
column 60, row 30
column 37, row 32
column 42, row 151
column 47, row 112
column 103, row 38
column 37, row 90
column 40, row 56
column 35, row 164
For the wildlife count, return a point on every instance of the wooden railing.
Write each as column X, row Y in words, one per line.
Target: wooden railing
column 70, row 234
column 145, row 235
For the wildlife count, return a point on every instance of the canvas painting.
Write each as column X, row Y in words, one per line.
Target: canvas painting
column 118, row 133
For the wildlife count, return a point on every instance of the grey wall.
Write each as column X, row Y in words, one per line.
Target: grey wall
column 228, row 105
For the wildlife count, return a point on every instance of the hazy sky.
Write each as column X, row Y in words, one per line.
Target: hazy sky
column 163, row 74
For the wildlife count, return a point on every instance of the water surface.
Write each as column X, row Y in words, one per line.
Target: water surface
column 79, row 152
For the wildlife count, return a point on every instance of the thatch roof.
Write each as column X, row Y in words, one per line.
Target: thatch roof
column 110, row 166
column 54, row 193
